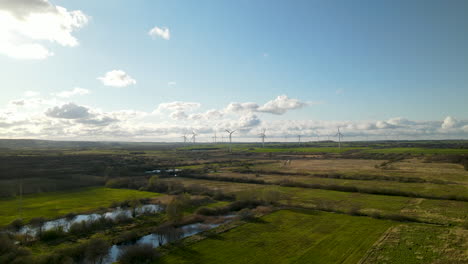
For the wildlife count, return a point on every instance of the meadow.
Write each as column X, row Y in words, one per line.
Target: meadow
column 55, row 204
column 288, row 236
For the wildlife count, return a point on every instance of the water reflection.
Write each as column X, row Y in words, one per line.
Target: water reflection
column 66, row 222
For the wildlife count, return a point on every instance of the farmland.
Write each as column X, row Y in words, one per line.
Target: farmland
column 287, row 203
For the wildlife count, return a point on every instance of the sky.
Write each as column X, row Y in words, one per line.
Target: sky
column 155, row 70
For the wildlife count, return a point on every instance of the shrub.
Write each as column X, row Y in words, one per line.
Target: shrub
column 246, row 214
column 52, row 234
column 16, row 225
column 11, row 253
column 138, row 254
column 128, row 236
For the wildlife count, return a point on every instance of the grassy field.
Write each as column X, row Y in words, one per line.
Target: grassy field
column 308, row 149
column 422, row 189
column 407, row 168
column 419, row 150
column 437, row 211
column 54, row 204
column 288, row 237
column 420, row 244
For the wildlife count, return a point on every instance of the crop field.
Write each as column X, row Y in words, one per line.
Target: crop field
column 54, row 204
column 288, row 237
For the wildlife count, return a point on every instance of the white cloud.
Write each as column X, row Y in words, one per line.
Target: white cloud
column 117, row 78
column 73, row 92
column 37, row 117
column 162, row 32
column 212, row 114
column 281, row 105
column 278, row 106
column 241, row 107
column 68, row 111
column 177, row 106
column 27, row 24
column 172, row 83
column 449, row 122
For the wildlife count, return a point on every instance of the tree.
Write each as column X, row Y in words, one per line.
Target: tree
column 138, row 254
column 38, row 222
column 96, row 250
column 174, row 210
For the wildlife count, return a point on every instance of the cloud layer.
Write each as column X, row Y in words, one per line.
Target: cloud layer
column 51, row 118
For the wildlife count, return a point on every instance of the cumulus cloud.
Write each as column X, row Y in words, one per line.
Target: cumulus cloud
column 27, row 24
column 117, row 78
column 278, row 106
column 161, row 32
column 212, row 114
column 241, row 107
column 449, row 122
column 281, row 105
column 177, row 109
column 68, row 111
column 73, row 92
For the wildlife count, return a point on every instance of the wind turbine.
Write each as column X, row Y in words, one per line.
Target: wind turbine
column 230, row 138
column 185, row 138
column 194, row 135
column 263, row 136
column 339, row 135
column 299, row 139
column 214, row 138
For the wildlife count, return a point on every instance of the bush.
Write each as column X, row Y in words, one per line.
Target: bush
column 246, row 215
column 52, row 234
column 16, row 225
column 138, row 254
column 128, row 236
column 11, row 253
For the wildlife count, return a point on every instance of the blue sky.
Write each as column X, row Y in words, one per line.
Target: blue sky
column 346, row 61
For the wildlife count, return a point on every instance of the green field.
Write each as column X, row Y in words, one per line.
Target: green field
column 54, row 204
column 419, row 150
column 420, row 244
column 308, row 149
column 287, row 236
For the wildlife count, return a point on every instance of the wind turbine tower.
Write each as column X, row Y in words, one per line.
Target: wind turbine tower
column 194, row 135
column 339, row 135
column 214, row 138
column 185, row 139
column 230, row 138
column 299, row 139
column 263, row 136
